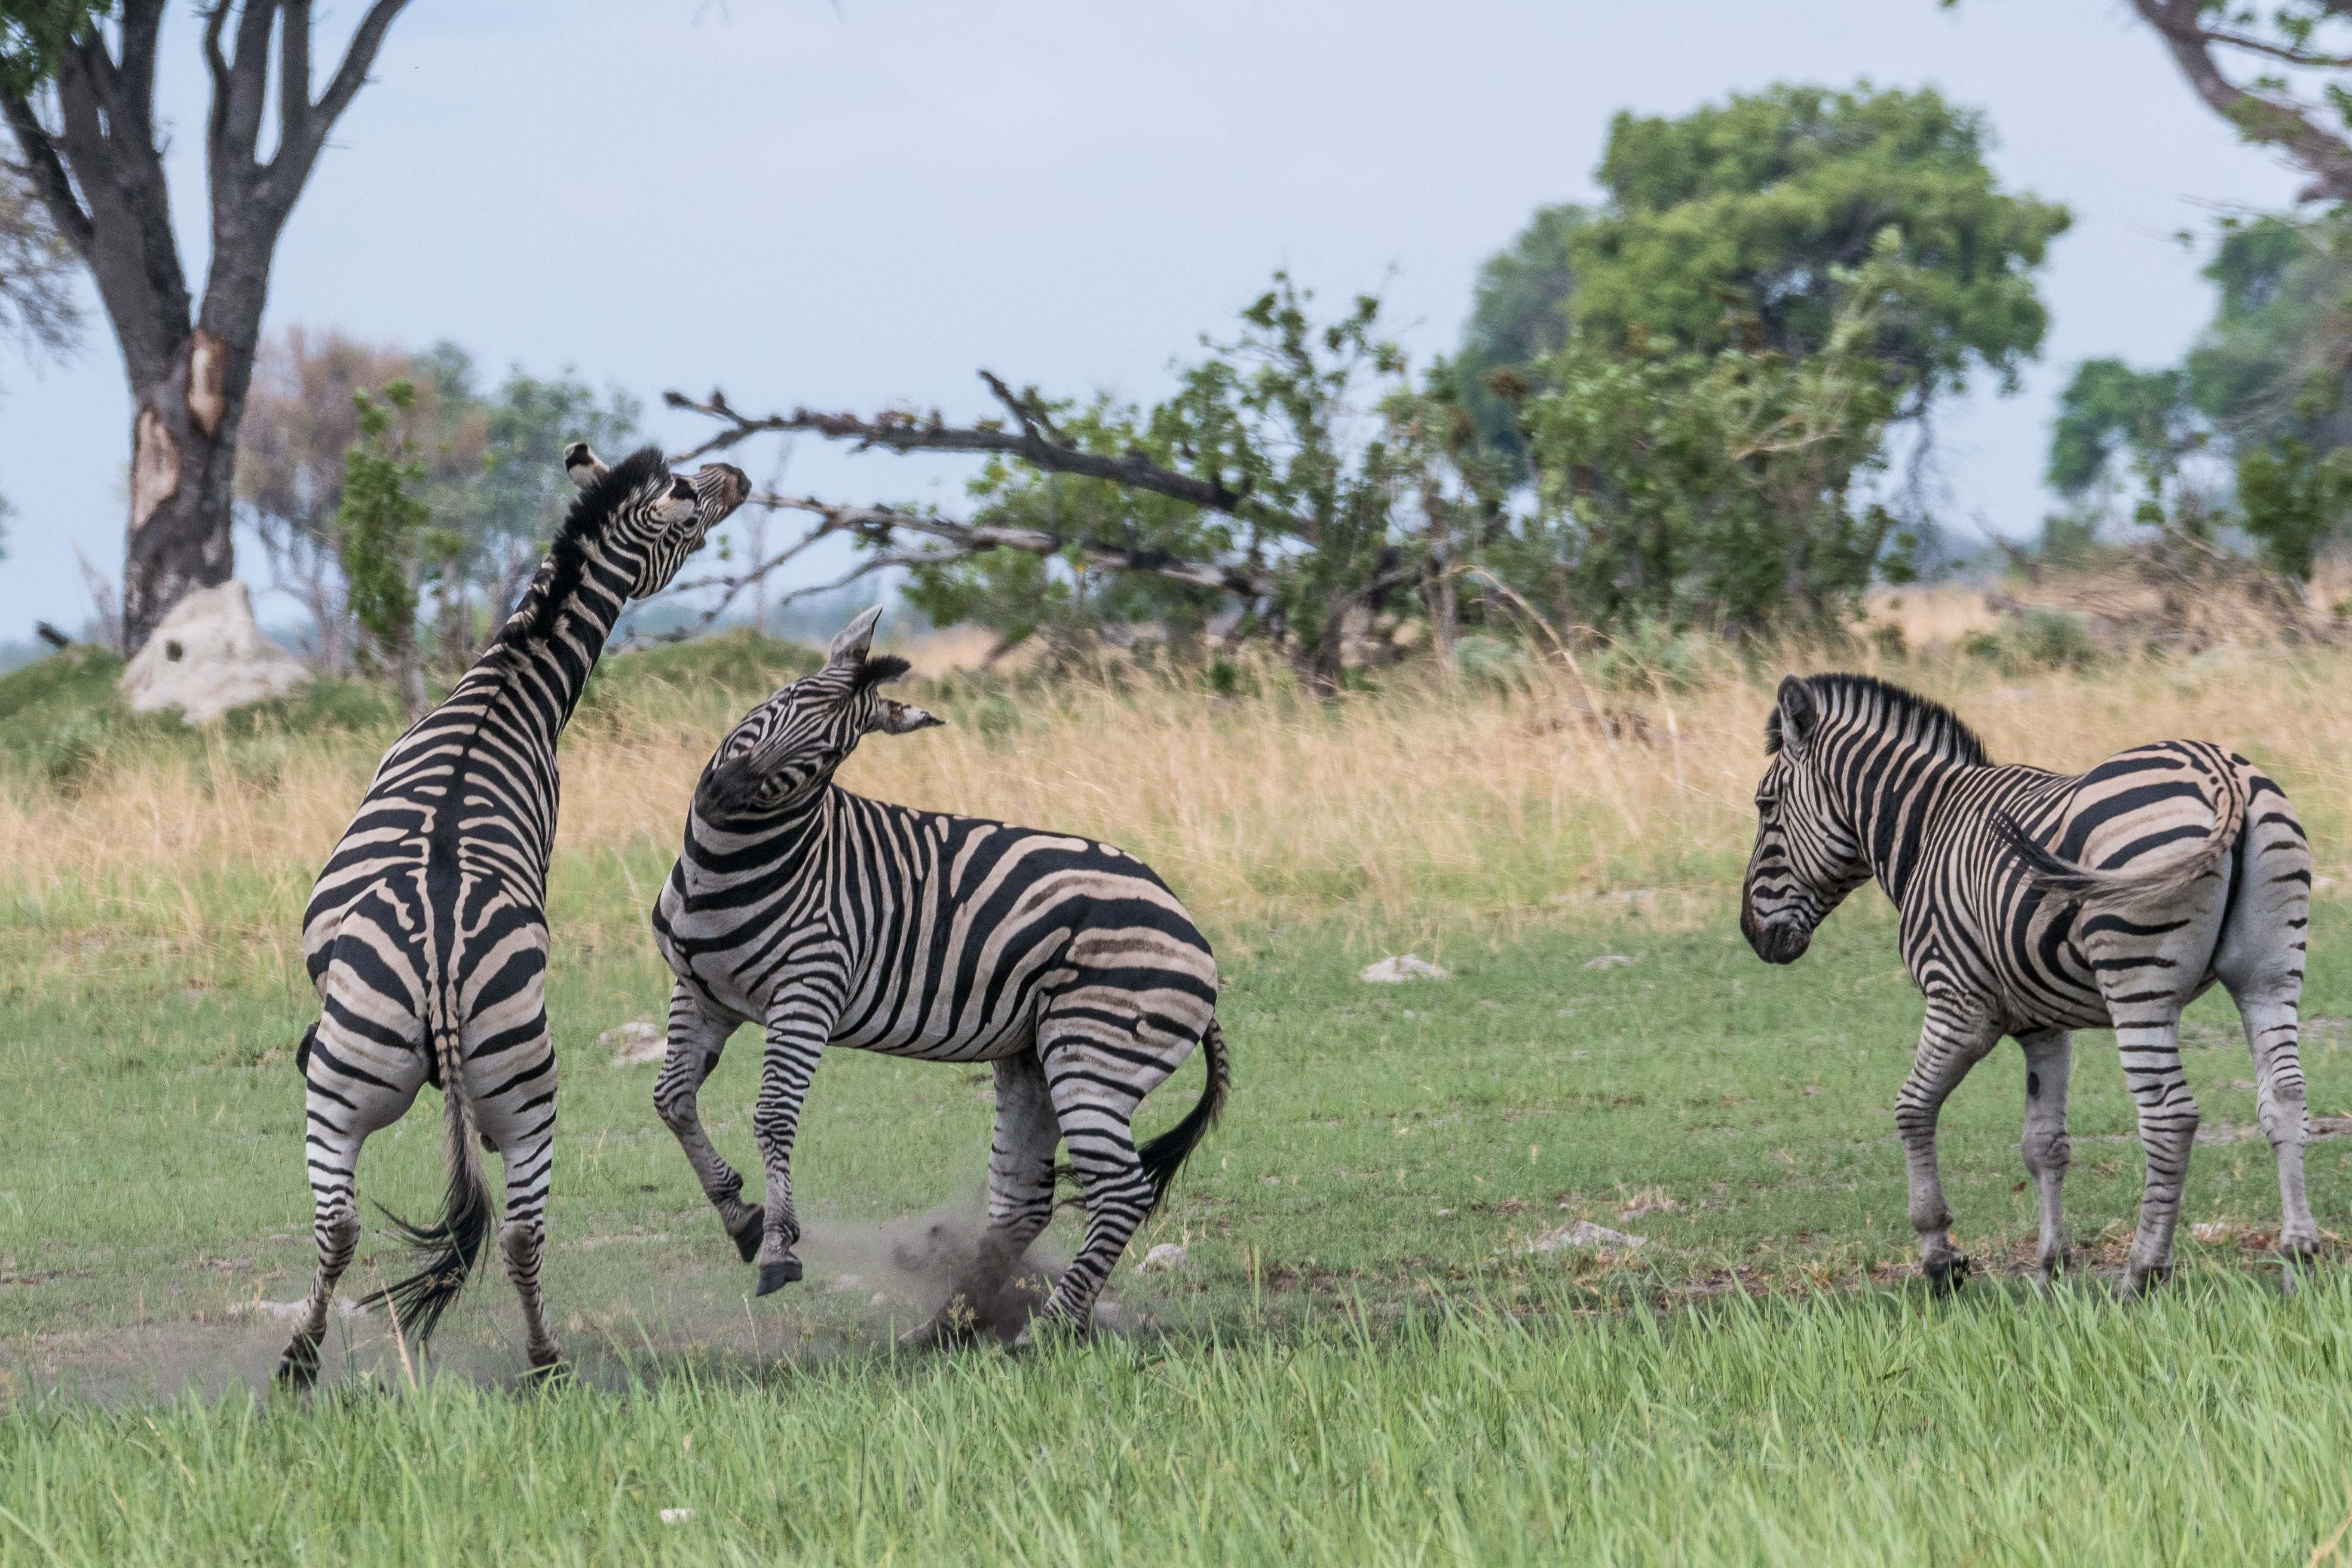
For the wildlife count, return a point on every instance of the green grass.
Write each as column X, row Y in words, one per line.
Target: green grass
column 2209, row 1425
column 1358, row 1363
column 1345, row 1372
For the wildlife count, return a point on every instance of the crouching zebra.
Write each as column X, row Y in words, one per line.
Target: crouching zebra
column 425, row 935
column 2032, row 904
column 831, row 920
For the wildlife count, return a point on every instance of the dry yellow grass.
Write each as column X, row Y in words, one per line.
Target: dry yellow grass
column 1402, row 811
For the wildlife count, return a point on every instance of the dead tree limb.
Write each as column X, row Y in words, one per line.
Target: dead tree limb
column 1037, row 442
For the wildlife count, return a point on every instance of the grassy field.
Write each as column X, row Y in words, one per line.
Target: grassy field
column 1358, row 1362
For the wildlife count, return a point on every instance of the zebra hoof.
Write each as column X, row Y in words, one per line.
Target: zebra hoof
column 299, row 1367
column 747, row 1240
column 546, row 1365
column 1946, row 1274
column 774, row 1277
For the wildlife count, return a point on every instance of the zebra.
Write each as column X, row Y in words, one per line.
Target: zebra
column 427, row 936
column 2033, row 904
column 831, row 920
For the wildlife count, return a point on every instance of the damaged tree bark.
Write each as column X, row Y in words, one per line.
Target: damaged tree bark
column 94, row 155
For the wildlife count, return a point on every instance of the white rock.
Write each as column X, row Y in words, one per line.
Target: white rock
column 1396, row 970
column 1609, row 960
column 1167, row 1256
column 209, row 656
column 633, row 1045
column 848, row 1282
column 675, row 1515
column 344, row 1307
column 1583, row 1233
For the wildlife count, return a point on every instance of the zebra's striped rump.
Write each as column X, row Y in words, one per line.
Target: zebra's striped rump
column 2033, row 904
column 833, row 921
column 425, row 935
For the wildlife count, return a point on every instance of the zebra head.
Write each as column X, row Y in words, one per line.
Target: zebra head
column 667, row 518
column 789, row 745
column 1808, row 858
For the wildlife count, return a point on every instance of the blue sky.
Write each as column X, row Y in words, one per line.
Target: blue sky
column 861, row 203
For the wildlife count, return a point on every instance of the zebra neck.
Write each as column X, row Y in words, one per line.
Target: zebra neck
column 543, row 676
column 789, row 842
column 1892, row 806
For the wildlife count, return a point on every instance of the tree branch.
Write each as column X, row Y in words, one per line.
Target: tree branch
column 877, row 522
column 49, row 172
column 236, row 114
column 2322, row 153
column 348, row 77
column 903, row 432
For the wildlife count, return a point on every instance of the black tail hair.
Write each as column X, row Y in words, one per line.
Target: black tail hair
column 451, row 1244
column 1163, row 1156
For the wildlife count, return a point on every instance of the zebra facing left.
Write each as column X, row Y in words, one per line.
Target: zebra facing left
column 2033, row 904
column 426, row 933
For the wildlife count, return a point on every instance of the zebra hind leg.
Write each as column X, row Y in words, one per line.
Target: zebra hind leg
column 696, row 1041
column 2049, row 1062
column 522, row 1240
column 990, row 1293
column 2149, row 1044
column 352, row 1086
column 2261, row 959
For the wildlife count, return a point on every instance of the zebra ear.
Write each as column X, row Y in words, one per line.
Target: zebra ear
column 584, row 466
column 1800, row 715
column 855, row 637
column 900, row 719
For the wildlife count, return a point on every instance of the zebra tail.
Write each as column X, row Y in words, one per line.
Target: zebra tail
column 451, row 1244
column 1165, row 1154
column 2151, row 886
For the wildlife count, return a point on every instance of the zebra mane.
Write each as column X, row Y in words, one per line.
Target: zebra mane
column 1889, row 707
column 592, row 512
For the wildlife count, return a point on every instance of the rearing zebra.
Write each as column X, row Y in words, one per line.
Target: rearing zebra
column 828, row 919
column 427, row 936
column 2033, row 904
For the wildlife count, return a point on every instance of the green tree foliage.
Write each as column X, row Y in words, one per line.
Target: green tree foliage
column 1676, row 487
column 2263, row 386
column 380, row 519
column 1728, row 228
column 1302, row 477
column 33, row 35
column 1283, row 419
column 491, row 474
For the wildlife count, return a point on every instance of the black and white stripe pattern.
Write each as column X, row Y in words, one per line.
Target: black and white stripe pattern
column 831, row 920
column 425, row 935
column 2033, row 904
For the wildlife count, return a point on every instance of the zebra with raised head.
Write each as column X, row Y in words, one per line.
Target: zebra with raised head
column 830, row 920
column 426, row 935
column 2032, row 904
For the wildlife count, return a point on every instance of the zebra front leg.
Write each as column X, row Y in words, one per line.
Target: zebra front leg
column 696, row 1040
column 2049, row 1062
column 1950, row 1043
column 799, row 1023
column 2150, row 1047
column 352, row 1086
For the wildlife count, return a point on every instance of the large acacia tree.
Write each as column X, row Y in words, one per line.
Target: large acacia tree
column 1729, row 227
column 78, row 90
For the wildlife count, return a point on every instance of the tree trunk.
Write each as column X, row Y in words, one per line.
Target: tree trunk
column 183, row 474
column 100, row 171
